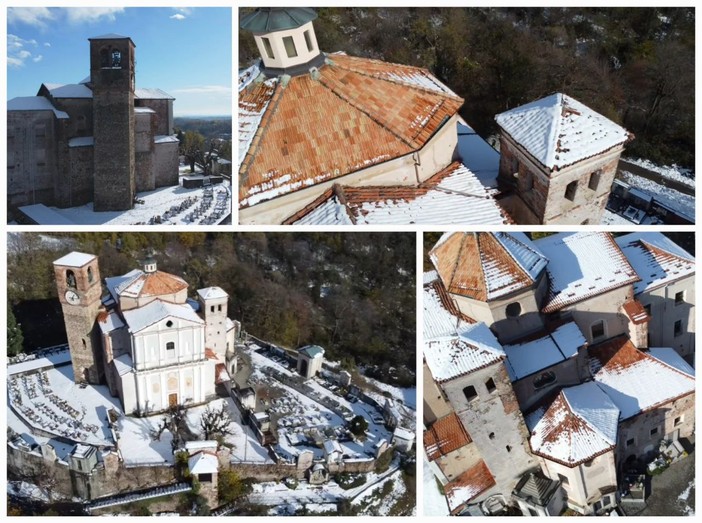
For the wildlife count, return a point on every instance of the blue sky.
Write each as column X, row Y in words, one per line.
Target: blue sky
column 187, row 52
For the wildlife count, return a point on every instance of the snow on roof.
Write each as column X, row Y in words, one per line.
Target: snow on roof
column 656, row 259
column 580, row 424
column 486, row 265
column 110, row 36
column 151, row 93
column 115, row 282
column 441, row 315
column 82, row 451
column 473, row 348
column 86, row 80
column 451, row 196
column 48, row 359
column 533, row 356
column 444, row 436
column 109, row 321
column 34, row 103
column 559, row 131
column 230, row 324
column 82, row 141
column 75, row 259
column 201, row 445
column 145, row 110
column 669, row 356
column 69, row 90
column 165, row 138
column 429, row 277
column 637, row 381
column 584, row 264
column 142, row 317
column 137, row 283
column 374, row 116
column 312, row 351
column 478, row 155
column 403, row 434
column 212, row 293
column 468, row 485
column 123, row 364
column 43, row 215
column 331, row 446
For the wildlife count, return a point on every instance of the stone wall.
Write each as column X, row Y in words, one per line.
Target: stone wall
column 144, row 151
column 165, row 164
column 79, row 180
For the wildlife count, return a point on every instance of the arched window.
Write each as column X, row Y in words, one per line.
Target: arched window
column 545, row 378
column 116, row 58
column 90, row 275
column 71, row 279
column 513, row 310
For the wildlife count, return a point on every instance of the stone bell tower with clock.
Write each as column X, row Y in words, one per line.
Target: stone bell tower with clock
column 79, row 291
column 112, row 65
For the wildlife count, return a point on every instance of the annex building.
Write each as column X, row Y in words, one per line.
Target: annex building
column 555, row 367
column 101, row 140
column 336, row 139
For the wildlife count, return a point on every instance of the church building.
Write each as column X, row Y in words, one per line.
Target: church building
column 101, row 140
column 145, row 338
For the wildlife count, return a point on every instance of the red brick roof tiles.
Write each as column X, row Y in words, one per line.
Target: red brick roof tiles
column 445, row 436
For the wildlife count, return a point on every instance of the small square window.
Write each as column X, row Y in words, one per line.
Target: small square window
column 629, row 442
column 470, row 393
column 677, row 328
column 679, row 298
column 490, row 385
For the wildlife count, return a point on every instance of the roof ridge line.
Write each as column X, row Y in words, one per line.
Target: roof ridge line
column 652, row 357
column 509, row 253
column 378, row 76
column 587, row 422
column 356, row 105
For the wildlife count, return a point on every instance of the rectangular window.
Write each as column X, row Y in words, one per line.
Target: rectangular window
column 597, row 329
column 267, row 47
column 679, row 297
column 490, row 385
column 594, row 180
column 219, row 308
column 470, row 393
column 570, row 190
column 654, row 431
column 677, row 328
column 289, row 46
column 647, row 308
column 563, row 479
column 211, row 308
column 308, row 41
column 629, row 442
column 678, row 421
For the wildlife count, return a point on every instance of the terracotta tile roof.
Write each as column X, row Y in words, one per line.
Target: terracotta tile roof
column 635, row 380
column 636, row 312
column 210, row 354
column 445, row 436
column 468, row 485
column 484, row 266
column 452, row 195
column 354, row 115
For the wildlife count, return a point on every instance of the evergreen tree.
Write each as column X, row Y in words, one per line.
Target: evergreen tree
column 15, row 338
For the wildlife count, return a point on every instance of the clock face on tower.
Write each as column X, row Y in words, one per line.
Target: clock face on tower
column 72, row 297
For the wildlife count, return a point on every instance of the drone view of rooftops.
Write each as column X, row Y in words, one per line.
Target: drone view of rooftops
column 283, row 385
column 101, row 150
column 342, row 135
column 558, row 372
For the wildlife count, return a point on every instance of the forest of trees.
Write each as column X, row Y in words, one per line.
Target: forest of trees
column 634, row 65
column 351, row 293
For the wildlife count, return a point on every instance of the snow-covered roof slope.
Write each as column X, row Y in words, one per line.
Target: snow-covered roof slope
column 486, row 265
column 441, row 316
column 473, row 348
column 468, row 485
column 559, row 131
column 533, row 356
column 212, row 293
column 137, row 284
column 354, row 113
column 580, row 424
column 637, row 381
column 140, row 318
column 109, row 321
column 75, row 259
column 151, row 93
column 583, row 265
column 123, row 364
column 34, row 103
column 669, row 356
column 203, row 462
column 656, row 259
column 454, row 195
column 69, row 90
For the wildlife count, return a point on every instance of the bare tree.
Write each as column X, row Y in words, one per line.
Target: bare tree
column 216, row 421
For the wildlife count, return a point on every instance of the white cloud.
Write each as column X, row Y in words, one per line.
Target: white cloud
column 206, row 89
column 37, row 58
column 177, row 16
column 35, row 16
column 17, row 52
column 47, row 44
column 183, row 10
column 79, row 15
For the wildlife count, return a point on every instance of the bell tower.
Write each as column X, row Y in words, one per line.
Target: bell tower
column 112, row 75
column 79, row 291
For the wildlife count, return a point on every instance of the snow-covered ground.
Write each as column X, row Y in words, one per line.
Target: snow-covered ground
column 611, row 218
column 180, row 203
column 408, row 396
column 434, row 502
column 672, row 172
column 373, row 502
column 683, row 499
column 22, row 489
column 667, row 196
column 137, row 445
